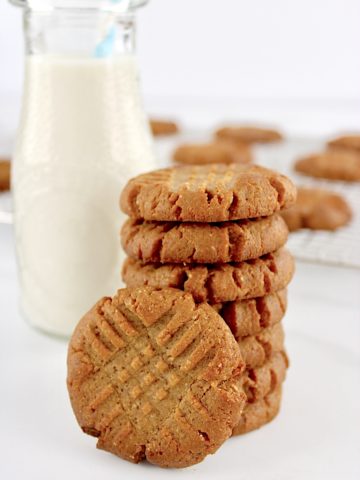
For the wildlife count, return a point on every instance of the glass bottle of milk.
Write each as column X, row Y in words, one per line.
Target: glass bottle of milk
column 83, row 133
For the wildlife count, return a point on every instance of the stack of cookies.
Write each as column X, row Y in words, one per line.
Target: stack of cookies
column 155, row 372
column 214, row 231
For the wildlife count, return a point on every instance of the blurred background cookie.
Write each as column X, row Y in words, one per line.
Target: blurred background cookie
column 333, row 165
column 347, row 142
column 4, row 175
column 212, row 152
column 318, row 210
column 163, row 127
column 248, row 134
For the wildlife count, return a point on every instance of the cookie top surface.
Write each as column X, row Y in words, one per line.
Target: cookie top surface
column 207, row 193
column 170, row 242
column 5, row 168
column 163, row 127
column 154, row 376
column 214, row 152
column 351, row 142
column 248, row 134
column 317, row 209
column 216, row 283
column 333, row 165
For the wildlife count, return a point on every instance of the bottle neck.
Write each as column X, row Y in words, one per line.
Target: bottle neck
column 79, row 33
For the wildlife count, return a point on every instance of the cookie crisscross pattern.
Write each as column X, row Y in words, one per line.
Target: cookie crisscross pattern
column 151, row 365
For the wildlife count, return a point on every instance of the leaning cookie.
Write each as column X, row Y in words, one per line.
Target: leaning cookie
column 163, row 127
column 318, row 210
column 248, row 134
column 170, row 242
column 4, row 175
column 215, row 283
column 207, row 193
column 333, row 165
column 154, row 376
column 214, row 152
column 347, row 142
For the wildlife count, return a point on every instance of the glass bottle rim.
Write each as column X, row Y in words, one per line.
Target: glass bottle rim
column 116, row 6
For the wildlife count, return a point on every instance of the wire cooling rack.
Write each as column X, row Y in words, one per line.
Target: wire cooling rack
column 341, row 247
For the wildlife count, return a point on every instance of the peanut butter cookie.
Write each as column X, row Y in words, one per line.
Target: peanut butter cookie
column 259, row 413
column 170, row 242
column 318, row 210
column 216, row 283
column 208, row 193
column 333, row 165
column 248, row 134
column 154, row 376
column 4, row 175
column 259, row 382
column 257, row 349
column 347, row 142
column 215, row 152
column 249, row 317
column 163, row 127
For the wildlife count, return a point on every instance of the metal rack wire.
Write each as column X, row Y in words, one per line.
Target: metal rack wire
column 341, row 247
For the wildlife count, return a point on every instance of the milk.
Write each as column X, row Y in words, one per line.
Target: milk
column 83, row 134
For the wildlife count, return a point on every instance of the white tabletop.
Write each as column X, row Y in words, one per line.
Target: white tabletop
column 316, row 435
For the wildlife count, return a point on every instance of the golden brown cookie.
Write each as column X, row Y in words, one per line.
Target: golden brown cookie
column 163, row 127
column 347, row 142
column 249, row 317
column 333, row 165
column 4, row 175
column 259, row 382
column 257, row 414
column 257, row 349
column 318, row 210
column 248, row 134
column 170, row 242
column 207, row 193
column 154, row 376
column 216, row 283
column 214, row 152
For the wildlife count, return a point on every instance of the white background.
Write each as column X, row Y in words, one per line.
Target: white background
column 255, row 60
column 291, row 62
